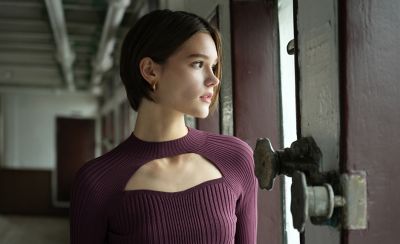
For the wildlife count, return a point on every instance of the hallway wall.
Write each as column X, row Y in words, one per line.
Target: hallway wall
column 30, row 132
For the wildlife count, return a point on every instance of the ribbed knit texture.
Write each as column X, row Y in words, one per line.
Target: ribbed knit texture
column 222, row 210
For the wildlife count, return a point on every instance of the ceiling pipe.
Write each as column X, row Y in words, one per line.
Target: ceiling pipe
column 103, row 60
column 65, row 56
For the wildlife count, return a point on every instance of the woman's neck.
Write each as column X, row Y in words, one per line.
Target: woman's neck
column 154, row 123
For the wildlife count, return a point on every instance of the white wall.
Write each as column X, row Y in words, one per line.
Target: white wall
column 30, row 125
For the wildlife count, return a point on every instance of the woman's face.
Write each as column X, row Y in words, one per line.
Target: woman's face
column 188, row 75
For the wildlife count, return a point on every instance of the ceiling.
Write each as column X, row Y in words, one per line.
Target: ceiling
column 75, row 47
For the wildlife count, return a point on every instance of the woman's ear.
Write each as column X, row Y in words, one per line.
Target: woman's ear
column 149, row 70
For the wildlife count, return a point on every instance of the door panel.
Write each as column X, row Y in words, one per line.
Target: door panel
column 318, row 92
column 256, row 96
column 365, row 115
column 370, row 74
column 75, row 146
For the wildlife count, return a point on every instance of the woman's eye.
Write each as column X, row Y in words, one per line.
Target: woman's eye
column 214, row 68
column 198, row 64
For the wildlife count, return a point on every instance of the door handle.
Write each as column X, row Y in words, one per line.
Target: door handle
column 303, row 155
column 315, row 195
column 316, row 203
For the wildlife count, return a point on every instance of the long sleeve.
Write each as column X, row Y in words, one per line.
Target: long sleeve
column 87, row 212
column 246, row 212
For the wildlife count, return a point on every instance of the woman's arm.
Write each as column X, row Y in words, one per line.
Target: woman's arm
column 88, row 222
column 246, row 209
column 246, row 227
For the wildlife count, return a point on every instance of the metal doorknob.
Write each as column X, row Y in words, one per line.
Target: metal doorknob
column 265, row 160
column 303, row 155
column 311, row 202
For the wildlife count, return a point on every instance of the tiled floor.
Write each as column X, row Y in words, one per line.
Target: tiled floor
column 33, row 230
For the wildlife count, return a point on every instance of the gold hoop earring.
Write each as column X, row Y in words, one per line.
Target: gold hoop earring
column 155, row 86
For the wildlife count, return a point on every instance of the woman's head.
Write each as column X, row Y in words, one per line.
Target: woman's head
column 157, row 37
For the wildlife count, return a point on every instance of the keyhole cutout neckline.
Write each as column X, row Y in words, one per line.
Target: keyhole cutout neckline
column 166, row 176
column 189, row 143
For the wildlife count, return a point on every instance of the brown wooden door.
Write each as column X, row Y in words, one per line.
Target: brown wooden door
column 75, row 146
column 256, row 96
column 348, row 100
column 370, row 76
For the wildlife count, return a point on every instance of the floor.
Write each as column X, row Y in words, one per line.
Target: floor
column 33, row 230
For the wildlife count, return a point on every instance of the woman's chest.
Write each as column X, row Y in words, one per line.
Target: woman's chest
column 203, row 214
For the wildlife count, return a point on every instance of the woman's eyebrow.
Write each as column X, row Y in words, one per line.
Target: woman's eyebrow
column 199, row 55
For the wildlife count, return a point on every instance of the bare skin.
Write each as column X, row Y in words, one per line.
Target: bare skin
column 187, row 75
column 172, row 175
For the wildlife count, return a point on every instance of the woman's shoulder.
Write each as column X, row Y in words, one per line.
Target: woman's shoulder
column 237, row 157
column 231, row 150
column 229, row 142
column 94, row 172
column 88, row 176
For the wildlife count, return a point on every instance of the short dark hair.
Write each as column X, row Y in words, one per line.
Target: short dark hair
column 158, row 35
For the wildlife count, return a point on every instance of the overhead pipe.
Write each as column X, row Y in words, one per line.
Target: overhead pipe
column 65, row 56
column 103, row 60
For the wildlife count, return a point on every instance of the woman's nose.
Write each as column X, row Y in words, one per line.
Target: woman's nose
column 212, row 80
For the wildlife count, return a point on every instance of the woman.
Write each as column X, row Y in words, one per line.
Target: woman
column 169, row 183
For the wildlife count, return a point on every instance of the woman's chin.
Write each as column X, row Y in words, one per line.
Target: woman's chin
column 201, row 114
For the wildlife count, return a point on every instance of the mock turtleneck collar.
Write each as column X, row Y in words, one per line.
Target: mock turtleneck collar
column 154, row 149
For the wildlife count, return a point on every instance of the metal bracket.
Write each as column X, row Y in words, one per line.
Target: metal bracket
column 354, row 187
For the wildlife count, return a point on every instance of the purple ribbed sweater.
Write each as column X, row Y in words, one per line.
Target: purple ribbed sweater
column 218, row 211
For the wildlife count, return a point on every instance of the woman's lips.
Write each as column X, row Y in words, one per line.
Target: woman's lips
column 206, row 97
